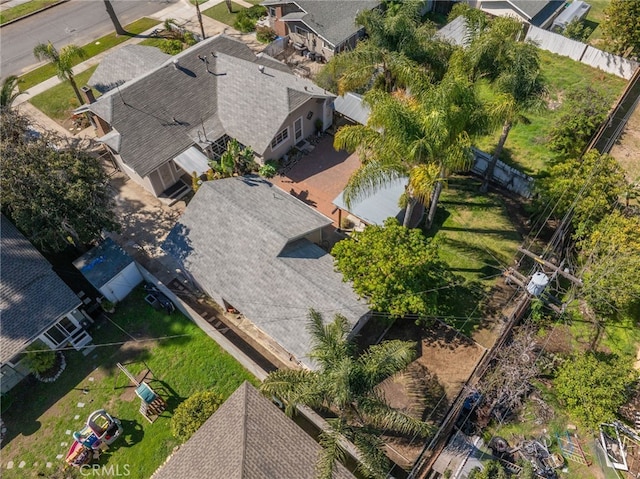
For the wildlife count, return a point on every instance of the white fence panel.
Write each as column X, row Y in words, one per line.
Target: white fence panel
column 503, row 174
column 276, row 47
column 556, row 43
column 609, row 63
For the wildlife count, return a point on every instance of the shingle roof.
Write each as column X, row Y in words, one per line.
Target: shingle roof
column 537, row 11
column 32, row 296
column 159, row 114
column 124, row 64
column 248, row 437
column 243, row 239
column 333, row 20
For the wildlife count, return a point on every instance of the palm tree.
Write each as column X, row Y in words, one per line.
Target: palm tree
column 237, row 160
column 513, row 69
column 9, row 92
column 345, row 384
column 63, row 61
column 422, row 137
column 114, row 18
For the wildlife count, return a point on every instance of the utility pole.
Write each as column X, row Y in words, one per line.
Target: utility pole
column 200, row 19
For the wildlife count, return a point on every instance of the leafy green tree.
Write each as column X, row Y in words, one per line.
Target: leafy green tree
column 9, row 92
column 592, row 387
column 475, row 18
column 611, row 256
column 513, row 69
column 62, row 60
column 621, row 28
column 396, row 268
column 54, row 195
column 345, row 384
column 193, row 412
column 576, row 30
column 582, row 113
column 424, row 137
column 492, row 470
column 587, row 189
column 40, row 358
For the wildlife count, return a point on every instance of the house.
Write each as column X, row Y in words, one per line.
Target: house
column 539, row 13
column 110, row 270
column 36, row 305
column 248, row 437
column 253, row 248
column 168, row 123
column 322, row 27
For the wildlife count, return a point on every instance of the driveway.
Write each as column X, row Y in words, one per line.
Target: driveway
column 320, row 176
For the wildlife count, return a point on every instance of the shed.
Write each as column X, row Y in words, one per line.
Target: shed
column 110, row 270
column 377, row 207
column 577, row 10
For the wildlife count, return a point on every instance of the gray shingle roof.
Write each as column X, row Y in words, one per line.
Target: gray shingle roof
column 333, row 20
column 537, row 11
column 124, row 64
column 248, row 437
column 32, row 296
column 243, row 239
column 159, row 114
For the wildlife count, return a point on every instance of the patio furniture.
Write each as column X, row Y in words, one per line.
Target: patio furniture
column 152, row 404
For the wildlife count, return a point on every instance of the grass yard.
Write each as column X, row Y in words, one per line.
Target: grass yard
column 220, row 13
column 526, row 147
column 594, row 19
column 40, row 414
column 24, row 9
column 58, row 102
column 102, row 44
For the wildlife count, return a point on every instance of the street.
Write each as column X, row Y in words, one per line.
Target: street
column 77, row 22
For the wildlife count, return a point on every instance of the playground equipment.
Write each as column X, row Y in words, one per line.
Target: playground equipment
column 152, row 404
column 98, row 433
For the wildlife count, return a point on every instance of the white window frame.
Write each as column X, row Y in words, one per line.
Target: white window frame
column 272, row 11
column 295, row 131
column 279, row 139
column 300, row 30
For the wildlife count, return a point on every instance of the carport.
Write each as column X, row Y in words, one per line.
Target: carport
column 110, row 270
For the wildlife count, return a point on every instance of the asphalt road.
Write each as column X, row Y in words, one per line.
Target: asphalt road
column 77, row 22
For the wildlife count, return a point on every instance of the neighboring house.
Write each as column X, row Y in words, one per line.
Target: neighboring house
column 167, row 123
column 124, row 64
column 248, row 437
column 539, row 13
column 35, row 304
column 321, row 27
column 254, row 248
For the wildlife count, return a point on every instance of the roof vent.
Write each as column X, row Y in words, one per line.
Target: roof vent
column 261, row 68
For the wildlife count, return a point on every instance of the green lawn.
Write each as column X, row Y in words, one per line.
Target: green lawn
column 526, row 147
column 40, row 414
column 58, row 102
column 102, row 44
column 220, row 13
column 477, row 240
column 594, row 18
column 24, row 9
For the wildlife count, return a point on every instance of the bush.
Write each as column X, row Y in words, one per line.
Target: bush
column 192, row 413
column 40, row 358
column 246, row 19
column 171, row 47
column 269, row 169
column 265, row 34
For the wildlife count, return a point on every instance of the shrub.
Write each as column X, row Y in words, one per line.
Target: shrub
column 189, row 38
column 171, row 47
column 269, row 169
column 265, row 34
column 246, row 19
column 345, row 224
column 192, row 413
column 40, row 358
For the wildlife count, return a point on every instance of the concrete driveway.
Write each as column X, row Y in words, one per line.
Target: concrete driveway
column 318, row 177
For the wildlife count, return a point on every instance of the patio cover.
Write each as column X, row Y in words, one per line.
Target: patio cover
column 192, row 160
column 351, row 106
column 376, row 208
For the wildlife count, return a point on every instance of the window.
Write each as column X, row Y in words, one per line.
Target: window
column 279, row 138
column 272, row 11
column 297, row 129
column 299, row 30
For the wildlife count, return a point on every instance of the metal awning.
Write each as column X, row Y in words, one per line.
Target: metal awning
column 193, row 160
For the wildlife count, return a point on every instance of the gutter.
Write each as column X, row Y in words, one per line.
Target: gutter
column 33, row 13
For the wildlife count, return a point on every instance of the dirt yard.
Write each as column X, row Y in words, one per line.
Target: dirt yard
column 627, row 148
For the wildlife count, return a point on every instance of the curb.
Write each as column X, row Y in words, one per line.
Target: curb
column 33, row 13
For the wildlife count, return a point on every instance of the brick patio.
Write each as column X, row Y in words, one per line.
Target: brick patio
column 318, row 177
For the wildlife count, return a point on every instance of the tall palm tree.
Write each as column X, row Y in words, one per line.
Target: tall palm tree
column 423, row 137
column 512, row 67
column 9, row 91
column 114, row 18
column 63, row 60
column 346, row 384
